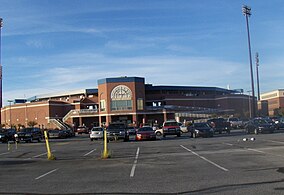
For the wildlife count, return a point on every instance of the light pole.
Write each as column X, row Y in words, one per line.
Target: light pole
column 1, row 24
column 249, row 104
column 257, row 75
column 246, row 11
column 10, row 114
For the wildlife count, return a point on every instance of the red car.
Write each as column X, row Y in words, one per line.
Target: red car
column 145, row 133
column 82, row 129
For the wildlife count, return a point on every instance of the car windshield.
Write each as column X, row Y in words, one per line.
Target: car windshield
column 27, row 130
column 171, row 124
column 97, row 129
column 116, row 126
column 261, row 121
column 201, row 125
column 145, row 129
column 54, row 131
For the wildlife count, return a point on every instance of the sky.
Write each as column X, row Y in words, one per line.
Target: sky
column 53, row 46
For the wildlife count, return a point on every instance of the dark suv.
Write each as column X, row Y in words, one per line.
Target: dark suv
column 171, row 128
column 7, row 135
column 29, row 134
column 116, row 131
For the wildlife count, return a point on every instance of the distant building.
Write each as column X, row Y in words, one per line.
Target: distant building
column 275, row 100
column 126, row 99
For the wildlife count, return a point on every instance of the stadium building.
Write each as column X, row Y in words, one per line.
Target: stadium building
column 125, row 99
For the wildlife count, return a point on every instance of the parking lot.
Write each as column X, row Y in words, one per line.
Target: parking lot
column 224, row 164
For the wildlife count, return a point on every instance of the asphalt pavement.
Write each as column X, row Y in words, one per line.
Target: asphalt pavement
column 225, row 164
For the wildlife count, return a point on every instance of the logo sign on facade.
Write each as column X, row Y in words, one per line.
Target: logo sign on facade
column 121, row 92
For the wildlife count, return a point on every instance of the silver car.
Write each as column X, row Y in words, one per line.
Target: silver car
column 97, row 133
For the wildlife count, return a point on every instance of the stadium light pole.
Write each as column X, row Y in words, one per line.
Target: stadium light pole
column 1, row 24
column 247, row 12
column 257, row 75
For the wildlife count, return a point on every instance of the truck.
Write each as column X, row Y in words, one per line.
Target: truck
column 117, row 131
column 220, row 125
column 171, row 128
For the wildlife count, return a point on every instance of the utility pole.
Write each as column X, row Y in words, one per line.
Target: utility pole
column 1, row 24
column 247, row 12
column 257, row 75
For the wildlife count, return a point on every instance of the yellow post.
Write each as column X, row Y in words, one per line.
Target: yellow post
column 105, row 153
column 49, row 155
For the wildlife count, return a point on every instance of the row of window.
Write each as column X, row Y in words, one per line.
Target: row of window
column 120, row 105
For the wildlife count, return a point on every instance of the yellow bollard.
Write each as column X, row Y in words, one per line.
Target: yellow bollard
column 49, row 155
column 105, row 153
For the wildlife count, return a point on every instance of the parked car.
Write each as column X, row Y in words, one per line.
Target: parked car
column 171, row 128
column 279, row 123
column 201, row 130
column 132, row 130
column 52, row 134
column 82, row 129
column 219, row 125
column 116, row 131
column 69, row 133
column 259, row 125
column 96, row 133
column 183, row 128
column 145, row 133
column 235, row 122
column 7, row 135
column 29, row 134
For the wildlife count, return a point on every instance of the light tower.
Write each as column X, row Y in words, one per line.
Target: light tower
column 1, row 24
column 247, row 12
column 257, row 75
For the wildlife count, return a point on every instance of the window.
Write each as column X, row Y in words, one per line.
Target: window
column 140, row 105
column 121, row 105
column 103, row 105
column 121, row 98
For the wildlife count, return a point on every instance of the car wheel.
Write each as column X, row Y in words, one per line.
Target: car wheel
column 158, row 133
column 91, row 139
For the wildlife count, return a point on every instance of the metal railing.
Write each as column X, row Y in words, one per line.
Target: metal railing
column 77, row 112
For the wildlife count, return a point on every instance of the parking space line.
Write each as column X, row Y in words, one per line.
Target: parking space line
column 4, row 153
column 228, row 144
column 135, row 163
column 39, row 177
column 38, row 155
column 42, row 154
column 278, row 142
column 209, row 161
column 90, row 152
column 258, row 151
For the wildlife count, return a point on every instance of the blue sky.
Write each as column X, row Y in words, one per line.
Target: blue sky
column 50, row 46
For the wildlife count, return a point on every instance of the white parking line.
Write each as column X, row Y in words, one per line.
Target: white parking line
column 4, row 153
column 278, row 142
column 39, row 177
column 42, row 154
column 259, row 151
column 220, row 167
column 228, row 144
column 135, row 163
column 38, row 155
column 90, row 152
column 250, row 149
